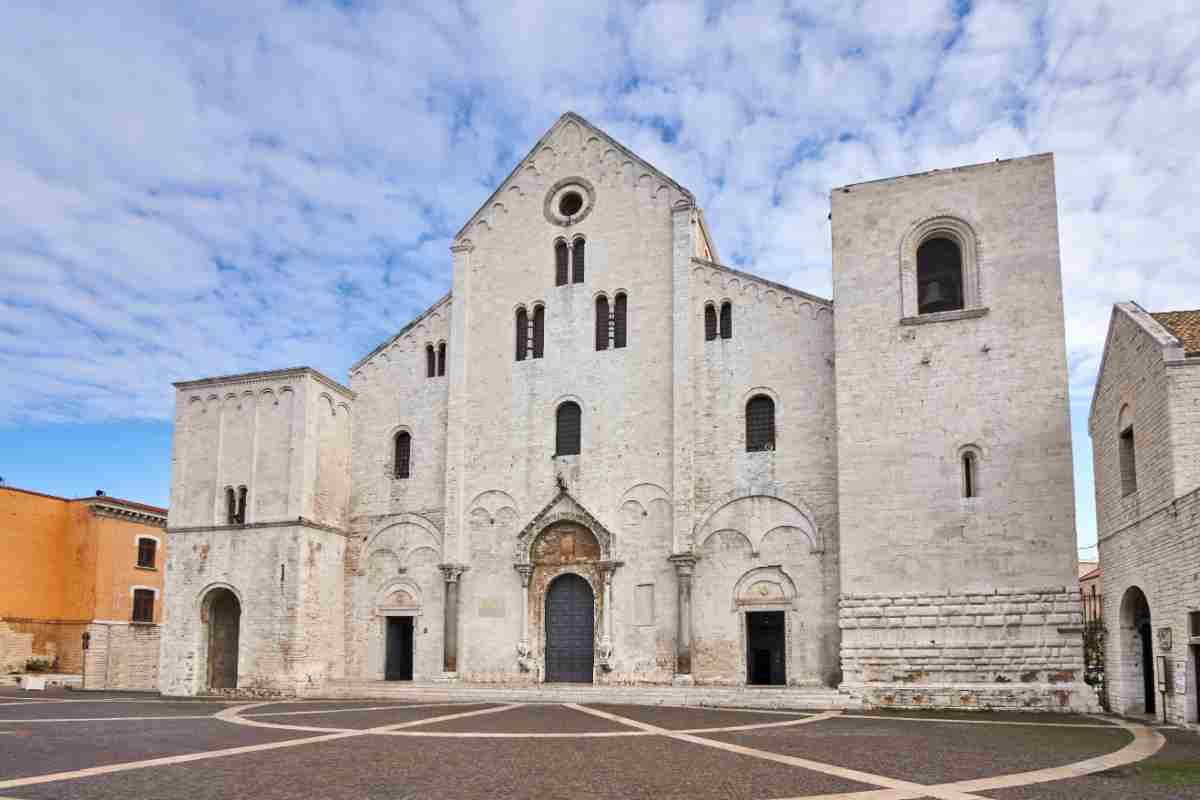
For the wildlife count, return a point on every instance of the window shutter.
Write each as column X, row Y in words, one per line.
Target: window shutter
column 147, row 548
column 760, row 424
column 601, row 323
column 430, row 367
column 403, row 459
column 619, row 326
column 560, row 263
column 441, row 359
column 567, row 430
column 539, row 331
column 143, row 605
column 522, row 332
column 726, row 321
column 710, row 323
column 577, row 261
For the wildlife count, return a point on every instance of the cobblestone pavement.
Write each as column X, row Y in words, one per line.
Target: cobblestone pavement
column 67, row 745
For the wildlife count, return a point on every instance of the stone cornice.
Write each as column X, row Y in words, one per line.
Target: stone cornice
column 258, row 377
column 139, row 516
column 441, row 302
column 283, row 523
column 752, row 277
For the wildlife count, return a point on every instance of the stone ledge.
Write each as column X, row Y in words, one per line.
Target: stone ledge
column 945, row 316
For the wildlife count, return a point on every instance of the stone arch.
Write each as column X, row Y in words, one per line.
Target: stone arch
column 382, row 564
column 768, row 586
column 727, row 539
column 415, row 520
column 530, row 536
column 387, row 596
column 220, row 608
column 1135, row 654
column 777, row 506
column 943, row 225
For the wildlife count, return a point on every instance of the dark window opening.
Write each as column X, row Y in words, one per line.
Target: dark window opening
column 241, row 505
column 939, row 276
column 577, row 261
column 1194, row 624
column 1128, row 462
column 710, row 323
column 143, row 605
column 760, row 424
column 601, row 323
column 570, row 204
column 539, row 331
column 560, row 263
column 619, row 326
column 147, row 549
column 403, row 455
column 970, row 488
column 441, row 359
column 522, row 333
column 568, row 422
column 726, row 320
column 230, row 506
column 430, row 361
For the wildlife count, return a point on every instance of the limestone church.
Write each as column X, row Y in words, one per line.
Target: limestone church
column 605, row 457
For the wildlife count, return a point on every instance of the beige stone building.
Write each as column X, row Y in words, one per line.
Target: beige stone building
column 605, row 457
column 1145, row 429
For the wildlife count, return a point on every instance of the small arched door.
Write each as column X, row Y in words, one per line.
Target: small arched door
column 570, row 630
column 224, row 630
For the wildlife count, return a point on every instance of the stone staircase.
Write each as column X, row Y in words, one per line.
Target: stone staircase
column 763, row 697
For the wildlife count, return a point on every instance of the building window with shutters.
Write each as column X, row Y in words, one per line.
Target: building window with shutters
column 230, row 506
column 710, row 322
column 143, row 605
column 726, row 320
column 430, row 361
column 402, row 455
column 522, row 332
column 619, row 326
column 147, row 552
column 760, row 424
column 577, row 260
column 539, row 331
column 560, row 262
column 601, row 323
column 567, row 429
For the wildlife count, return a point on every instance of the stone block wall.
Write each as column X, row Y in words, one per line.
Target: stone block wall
column 56, row 642
column 122, row 656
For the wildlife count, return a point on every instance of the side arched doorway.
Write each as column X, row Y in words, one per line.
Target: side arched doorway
column 222, row 613
column 570, row 630
column 1137, row 653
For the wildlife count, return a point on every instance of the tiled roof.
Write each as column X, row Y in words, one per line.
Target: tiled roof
column 1185, row 325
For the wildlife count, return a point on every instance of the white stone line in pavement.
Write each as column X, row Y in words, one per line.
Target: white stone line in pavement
column 982, row 721
column 363, row 708
column 164, row 761
column 447, row 718
column 910, row 790
column 105, row 719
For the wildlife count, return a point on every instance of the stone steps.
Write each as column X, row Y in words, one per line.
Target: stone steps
column 798, row 698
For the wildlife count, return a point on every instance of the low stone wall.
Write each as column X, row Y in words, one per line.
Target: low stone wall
column 122, row 656
column 1010, row 648
column 52, row 640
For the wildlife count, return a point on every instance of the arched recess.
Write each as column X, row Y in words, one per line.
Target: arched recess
column 1135, row 648
column 958, row 230
column 220, row 611
column 401, row 524
column 530, row 535
column 756, row 512
column 398, row 596
column 764, row 587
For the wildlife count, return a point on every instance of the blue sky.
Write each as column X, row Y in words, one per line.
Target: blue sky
column 197, row 189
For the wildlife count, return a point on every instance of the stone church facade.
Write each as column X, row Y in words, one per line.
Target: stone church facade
column 605, row 457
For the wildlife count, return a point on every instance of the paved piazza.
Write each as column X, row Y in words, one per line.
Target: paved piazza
column 62, row 746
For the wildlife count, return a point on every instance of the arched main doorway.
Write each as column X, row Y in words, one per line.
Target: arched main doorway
column 223, row 613
column 570, row 630
column 1137, row 653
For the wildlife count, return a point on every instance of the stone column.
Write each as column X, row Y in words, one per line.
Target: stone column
column 523, row 651
column 607, row 570
column 685, row 564
column 451, row 573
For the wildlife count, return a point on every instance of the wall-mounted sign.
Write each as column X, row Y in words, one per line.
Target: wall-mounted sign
column 1181, row 673
column 1164, row 640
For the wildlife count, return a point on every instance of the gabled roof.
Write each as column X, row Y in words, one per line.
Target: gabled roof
column 444, row 299
column 1171, row 346
column 1185, row 325
column 566, row 118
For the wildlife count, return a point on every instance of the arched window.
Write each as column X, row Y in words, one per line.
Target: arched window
column 430, row 361
column 241, row 505
column 441, row 359
column 522, row 331
column 577, row 261
column 939, row 276
column 710, row 322
column 568, row 421
column 619, row 323
column 539, row 331
column 970, row 475
column 230, row 506
column 403, row 457
column 601, row 323
column 726, row 320
column 760, row 424
column 560, row 263
column 1126, row 454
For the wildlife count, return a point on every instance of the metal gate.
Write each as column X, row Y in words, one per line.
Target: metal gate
column 570, row 630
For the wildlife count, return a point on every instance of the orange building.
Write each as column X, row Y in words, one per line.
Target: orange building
column 91, row 564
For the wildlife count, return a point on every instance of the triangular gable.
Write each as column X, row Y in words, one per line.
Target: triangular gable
column 563, row 507
column 1169, row 344
column 443, row 301
column 569, row 118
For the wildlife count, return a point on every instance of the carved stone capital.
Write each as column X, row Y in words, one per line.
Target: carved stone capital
column 526, row 573
column 685, row 564
column 451, row 572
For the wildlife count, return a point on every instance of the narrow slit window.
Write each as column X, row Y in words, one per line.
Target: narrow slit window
column 230, row 506
column 402, row 463
column 147, row 550
column 726, row 320
column 441, row 359
column 760, row 424
column 601, row 323
column 522, row 331
column 619, row 321
column 241, row 505
column 970, row 477
column 577, row 261
column 560, row 263
column 539, row 331
column 710, row 322
column 1128, row 462
column 568, row 424
column 143, row 605
column 430, row 361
